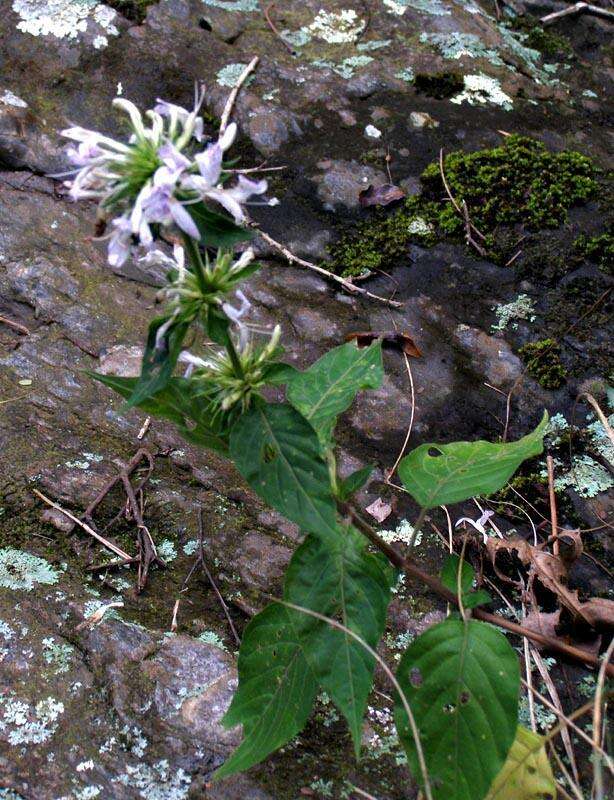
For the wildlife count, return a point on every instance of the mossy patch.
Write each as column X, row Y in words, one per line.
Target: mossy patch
column 520, row 182
column 543, row 360
column 598, row 249
column 549, row 43
column 439, row 85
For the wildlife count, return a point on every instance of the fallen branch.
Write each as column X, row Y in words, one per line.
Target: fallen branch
column 349, row 287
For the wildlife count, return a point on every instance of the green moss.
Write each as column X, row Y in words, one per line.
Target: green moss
column 548, row 42
column 518, row 182
column 543, row 362
column 599, row 249
column 439, row 85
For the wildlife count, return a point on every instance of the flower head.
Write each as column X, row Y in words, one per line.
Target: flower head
column 154, row 177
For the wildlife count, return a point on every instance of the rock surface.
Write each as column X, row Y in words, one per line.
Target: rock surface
column 126, row 708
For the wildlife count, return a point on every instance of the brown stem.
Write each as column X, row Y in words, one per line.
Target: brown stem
column 414, row 571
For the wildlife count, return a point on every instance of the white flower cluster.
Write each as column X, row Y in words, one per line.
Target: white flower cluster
column 156, row 175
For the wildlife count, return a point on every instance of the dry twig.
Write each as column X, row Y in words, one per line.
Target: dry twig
column 105, row 542
column 346, row 284
column 15, row 325
column 235, row 91
column 578, row 8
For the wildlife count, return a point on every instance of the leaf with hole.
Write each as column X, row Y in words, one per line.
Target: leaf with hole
column 329, row 386
column 527, row 774
column 276, row 691
column 347, row 583
column 461, row 680
column 441, row 474
column 278, row 453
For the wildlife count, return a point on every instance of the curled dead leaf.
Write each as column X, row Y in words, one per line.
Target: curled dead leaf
column 382, row 195
column 390, row 341
column 570, row 546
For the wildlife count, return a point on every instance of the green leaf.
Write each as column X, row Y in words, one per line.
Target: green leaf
column 277, row 452
column 329, row 386
column 159, row 358
column 216, row 229
column 181, row 402
column 527, row 774
column 449, row 574
column 461, row 680
column 276, row 690
column 449, row 578
column 343, row 582
column 350, row 485
column 440, row 474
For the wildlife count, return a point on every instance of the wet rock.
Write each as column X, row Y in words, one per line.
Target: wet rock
column 262, row 563
column 341, row 182
column 490, row 356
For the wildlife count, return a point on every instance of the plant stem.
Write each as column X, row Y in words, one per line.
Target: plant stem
column 416, row 530
column 196, row 260
column 409, row 566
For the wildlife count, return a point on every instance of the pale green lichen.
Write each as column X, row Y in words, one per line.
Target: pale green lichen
column 585, row 476
column 455, row 45
column 211, row 637
column 522, row 308
column 337, row 27
column 403, row 533
column 419, row 227
column 433, row 7
column 166, row 550
column 230, row 74
column 234, row 5
column 481, row 90
column 321, row 787
column 66, row 19
column 600, row 439
column 406, row 74
column 345, row 68
column 157, row 782
column 58, row 655
column 557, row 426
column 375, row 44
column 22, row 571
column 189, row 548
column 25, row 724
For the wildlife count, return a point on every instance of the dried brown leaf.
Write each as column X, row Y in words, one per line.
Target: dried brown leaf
column 380, row 195
column 390, row 341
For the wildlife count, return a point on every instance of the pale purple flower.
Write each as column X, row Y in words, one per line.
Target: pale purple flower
column 161, row 206
column 236, row 314
column 180, row 115
column 120, row 241
column 478, row 524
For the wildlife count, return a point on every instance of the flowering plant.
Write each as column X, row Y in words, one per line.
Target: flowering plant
column 324, row 632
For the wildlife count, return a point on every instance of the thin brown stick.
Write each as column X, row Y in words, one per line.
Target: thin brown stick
column 349, row 287
column 105, row 542
column 266, row 12
column 205, row 569
column 463, row 211
column 414, row 571
column 554, row 695
column 575, row 789
column 235, row 91
column 597, row 716
column 553, row 515
column 15, row 325
column 602, row 417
